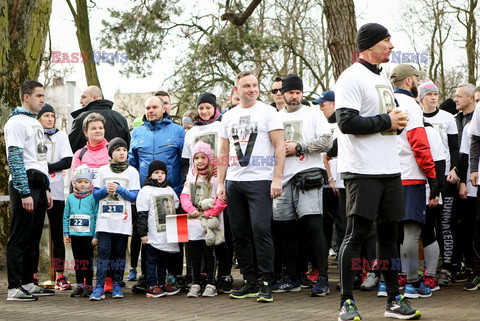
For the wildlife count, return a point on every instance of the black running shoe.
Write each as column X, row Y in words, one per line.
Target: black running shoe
column 400, row 309
column 265, row 292
column 247, row 290
column 77, row 292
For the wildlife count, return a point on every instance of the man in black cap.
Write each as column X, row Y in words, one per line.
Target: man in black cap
column 369, row 164
column 301, row 204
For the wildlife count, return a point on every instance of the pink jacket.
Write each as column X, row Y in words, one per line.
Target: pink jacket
column 93, row 159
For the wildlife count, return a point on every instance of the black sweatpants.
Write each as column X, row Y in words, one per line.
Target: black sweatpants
column 250, row 209
column 55, row 219
column 464, row 230
column 25, row 228
column 136, row 243
column 83, row 254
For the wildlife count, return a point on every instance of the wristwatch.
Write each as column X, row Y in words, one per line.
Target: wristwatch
column 298, row 149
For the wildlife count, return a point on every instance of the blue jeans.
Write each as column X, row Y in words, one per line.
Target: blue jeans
column 116, row 244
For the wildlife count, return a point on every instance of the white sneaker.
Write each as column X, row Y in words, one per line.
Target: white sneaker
column 370, row 283
column 194, row 291
column 210, row 291
column 20, row 294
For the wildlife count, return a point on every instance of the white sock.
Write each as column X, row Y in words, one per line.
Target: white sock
column 28, row 286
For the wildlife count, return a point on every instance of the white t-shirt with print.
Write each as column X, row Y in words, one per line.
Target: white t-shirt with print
column 115, row 212
column 445, row 124
column 436, row 144
column 199, row 192
column 26, row 132
column 465, row 149
column 410, row 168
column 370, row 94
column 151, row 199
column 58, row 148
column 302, row 125
column 247, row 130
column 209, row 134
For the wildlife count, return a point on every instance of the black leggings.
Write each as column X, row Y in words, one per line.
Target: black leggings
column 136, row 243
column 83, row 254
column 199, row 249
column 55, row 219
column 464, row 230
column 312, row 226
column 358, row 229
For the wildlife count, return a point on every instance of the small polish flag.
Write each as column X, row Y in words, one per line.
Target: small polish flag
column 177, row 228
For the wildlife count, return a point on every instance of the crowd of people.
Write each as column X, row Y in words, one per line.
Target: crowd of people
column 378, row 166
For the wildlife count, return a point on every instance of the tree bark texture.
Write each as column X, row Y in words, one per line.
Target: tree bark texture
column 82, row 22
column 341, row 26
column 23, row 31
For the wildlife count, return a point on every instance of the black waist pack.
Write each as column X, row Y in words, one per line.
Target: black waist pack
column 37, row 179
column 310, row 178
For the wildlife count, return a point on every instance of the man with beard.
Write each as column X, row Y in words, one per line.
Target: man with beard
column 417, row 167
column 301, row 199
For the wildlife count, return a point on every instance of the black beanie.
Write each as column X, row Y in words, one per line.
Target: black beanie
column 45, row 109
column 369, row 35
column 156, row 165
column 114, row 144
column 291, row 82
column 207, row 98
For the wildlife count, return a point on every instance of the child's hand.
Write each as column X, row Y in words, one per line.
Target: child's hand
column 144, row 239
column 112, row 188
column 196, row 213
column 67, row 239
column 94, row 242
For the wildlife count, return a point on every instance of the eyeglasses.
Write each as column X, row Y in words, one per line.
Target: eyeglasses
column 274, row 91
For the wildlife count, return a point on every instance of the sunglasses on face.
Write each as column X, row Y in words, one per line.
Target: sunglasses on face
column 274, row 91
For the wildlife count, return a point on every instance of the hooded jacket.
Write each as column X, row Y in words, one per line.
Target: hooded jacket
column 115, row 124
column 161, row 140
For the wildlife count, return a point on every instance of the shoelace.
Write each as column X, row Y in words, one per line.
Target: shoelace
column 24, row 291
column 351, row 308
column 404, row 302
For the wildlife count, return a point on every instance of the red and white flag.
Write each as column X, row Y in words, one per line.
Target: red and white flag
column 177, row 228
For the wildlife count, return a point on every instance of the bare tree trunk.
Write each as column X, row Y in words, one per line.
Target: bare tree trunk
column 341, row 26
column 23, row 31
column 84, row 41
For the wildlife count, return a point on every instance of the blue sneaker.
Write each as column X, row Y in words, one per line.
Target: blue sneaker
column 321, row 288
column 117, row 291
column 170, row 279
column 286, row 285
column 382, row 290
column 98, row 294
column 415, row 293
column 132, row 275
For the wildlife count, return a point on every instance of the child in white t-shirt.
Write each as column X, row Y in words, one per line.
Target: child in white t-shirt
column 201, row 184
column 116, row 186
column 155, row 200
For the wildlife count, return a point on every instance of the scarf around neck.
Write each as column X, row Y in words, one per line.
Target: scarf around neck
column 82, row 194
column 118, row 167
column 98, row 147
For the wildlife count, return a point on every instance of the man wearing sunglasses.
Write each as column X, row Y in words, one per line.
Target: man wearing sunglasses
column 278, row 101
